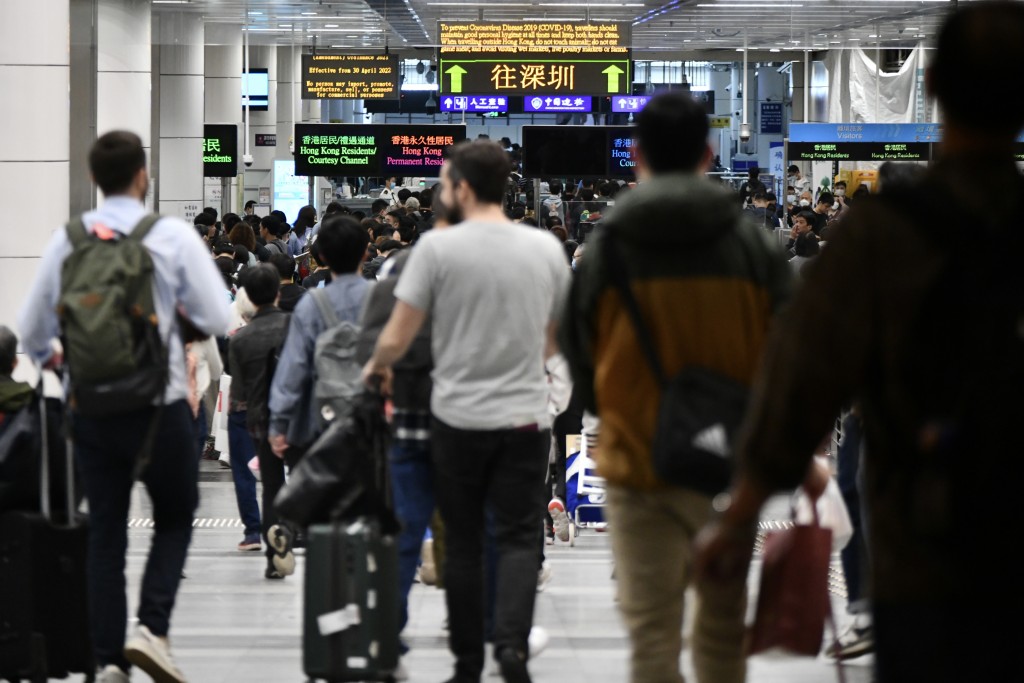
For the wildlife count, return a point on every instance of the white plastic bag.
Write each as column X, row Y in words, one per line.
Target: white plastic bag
column 832, row 513
column 220, row 419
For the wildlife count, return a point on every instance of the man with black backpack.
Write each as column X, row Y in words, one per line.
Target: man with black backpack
column 125, row 290
column 634, row 322
column 926, row 336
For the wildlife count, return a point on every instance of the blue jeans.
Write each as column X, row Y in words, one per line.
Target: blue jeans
column 242, row 451
column 412, row 485
column 106, row 450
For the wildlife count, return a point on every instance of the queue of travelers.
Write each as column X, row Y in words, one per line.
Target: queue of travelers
column 915, row 348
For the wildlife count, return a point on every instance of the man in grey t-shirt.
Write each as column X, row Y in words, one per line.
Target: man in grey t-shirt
column 494, row 290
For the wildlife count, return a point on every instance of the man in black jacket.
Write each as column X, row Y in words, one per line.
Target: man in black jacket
column 252, row 355
column 926, row 335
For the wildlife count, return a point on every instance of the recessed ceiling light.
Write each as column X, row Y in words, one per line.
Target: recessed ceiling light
column 330, row 26
column 775, row 49
column 284, row 25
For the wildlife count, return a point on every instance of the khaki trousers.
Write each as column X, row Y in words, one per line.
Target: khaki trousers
column 652, row 543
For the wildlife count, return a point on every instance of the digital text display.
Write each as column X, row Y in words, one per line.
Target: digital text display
column 621, row 161
column 220, row 150
column 373, row 150
column 524, row 58
column 859, row 151
column 349, row 77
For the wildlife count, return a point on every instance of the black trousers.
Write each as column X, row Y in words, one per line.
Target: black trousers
column 503, row 470
column 272, row 478
column 106, row 450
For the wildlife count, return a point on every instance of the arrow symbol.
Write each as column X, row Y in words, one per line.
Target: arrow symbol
column 456, row 73
column 613, row 77
column 447, row 103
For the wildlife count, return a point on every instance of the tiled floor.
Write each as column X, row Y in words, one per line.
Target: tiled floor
column 231, row 625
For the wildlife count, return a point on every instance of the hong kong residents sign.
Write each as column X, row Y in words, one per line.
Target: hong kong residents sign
column 220, row 150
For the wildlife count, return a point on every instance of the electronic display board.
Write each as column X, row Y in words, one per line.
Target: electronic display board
column 220, row 150
column 578, row 151
column 333, row 149
column 256, row 89
column 349, row 77
column 527, row 58
column 859, row 151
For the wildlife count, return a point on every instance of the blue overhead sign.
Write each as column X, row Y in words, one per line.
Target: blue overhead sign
column 629, row 105
column 549, row 103
column 865, row 132
column 771, row 118
column 475, row 104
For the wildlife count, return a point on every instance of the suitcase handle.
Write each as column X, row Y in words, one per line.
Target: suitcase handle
column 44, row 469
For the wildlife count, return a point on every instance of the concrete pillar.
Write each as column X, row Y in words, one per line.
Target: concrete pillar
column 34, row 166
column 123, row 70
column 180, row 83
column 721, row 138
column 263, row 122
column 222, row 96
column 287, row 98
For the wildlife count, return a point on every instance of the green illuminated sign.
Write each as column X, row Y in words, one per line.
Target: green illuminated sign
column 220, row 150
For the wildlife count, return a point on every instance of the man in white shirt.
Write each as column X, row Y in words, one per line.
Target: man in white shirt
column 797, row 180
column 492, row 327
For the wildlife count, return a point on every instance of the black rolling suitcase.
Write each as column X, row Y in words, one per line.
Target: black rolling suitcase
column 351, row 606
column 44, row 628
column 350, row 629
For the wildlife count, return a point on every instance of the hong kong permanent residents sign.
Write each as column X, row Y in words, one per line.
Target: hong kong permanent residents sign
column 529, row 58
column 374, row 150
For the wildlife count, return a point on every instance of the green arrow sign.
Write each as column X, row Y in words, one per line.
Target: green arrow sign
column 456, row 73
column 613, row 78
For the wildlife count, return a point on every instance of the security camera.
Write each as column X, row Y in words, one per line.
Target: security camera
column 247, row 160
column 744, row 132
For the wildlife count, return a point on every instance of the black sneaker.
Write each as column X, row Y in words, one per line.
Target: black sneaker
column 513, row 666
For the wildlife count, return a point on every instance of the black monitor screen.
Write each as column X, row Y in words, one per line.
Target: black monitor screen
column 564, row 152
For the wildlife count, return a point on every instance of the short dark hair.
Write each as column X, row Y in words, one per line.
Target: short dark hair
column 377, row 205
column 972, row 41
column 271, row 223
column 285, row 265
column 250, row 204
column 203, row 218
column 483, row 166
column 555, row 187
column 808, row 216
column 212, row 211
column 279, row 215
column 115, row 159
column 518, row 213
column 806, row 245
column 389, row 245
column 826, row 198
column 223, row 246
column 404, row 194
column 793, row 168
column 342, row 243
column 426, row 198
column 759, row 197
column 672, row 132
column 8, row 350
column 335, row 207
column 262, row 283
column 230, row 220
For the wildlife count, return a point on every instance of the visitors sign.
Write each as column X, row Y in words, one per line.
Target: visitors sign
column 220, row 150
column 862, row 141
column 332, row 149
column 349, row 77
column 529, row 58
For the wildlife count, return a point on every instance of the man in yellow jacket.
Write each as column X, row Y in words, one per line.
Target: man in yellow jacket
column 707, row 296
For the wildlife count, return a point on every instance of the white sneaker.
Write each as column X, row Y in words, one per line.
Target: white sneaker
column 153, row 655
column 543, row 577
column 112, row 673
column 559, row 518
column 280, row 540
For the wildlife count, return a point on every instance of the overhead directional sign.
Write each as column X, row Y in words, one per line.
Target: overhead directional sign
column 338, row 149
column 475, row 104
column 220, row 150
column 547, row 103
column 529, row 58
column 349, row 77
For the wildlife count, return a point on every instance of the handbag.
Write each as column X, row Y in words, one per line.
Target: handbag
column 793, row 602
column 700, row 409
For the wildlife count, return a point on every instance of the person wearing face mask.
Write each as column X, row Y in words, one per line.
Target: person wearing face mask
column 797, row 180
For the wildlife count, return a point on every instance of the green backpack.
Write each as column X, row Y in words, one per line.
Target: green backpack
column 116, row 360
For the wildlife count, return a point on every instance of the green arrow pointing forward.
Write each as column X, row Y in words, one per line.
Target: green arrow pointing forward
column 456, row 73
column 613, row 78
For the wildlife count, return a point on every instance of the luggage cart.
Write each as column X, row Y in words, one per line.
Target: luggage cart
column 584, row 491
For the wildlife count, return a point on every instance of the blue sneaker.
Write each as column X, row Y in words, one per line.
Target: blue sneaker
column 251, row 543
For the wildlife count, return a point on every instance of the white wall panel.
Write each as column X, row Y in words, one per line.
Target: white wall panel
column 123, row 102
column 37, row 196
column 34, row 133
column 123, row 35
column 34, row 32
column 179, row 100
column 181, row 169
